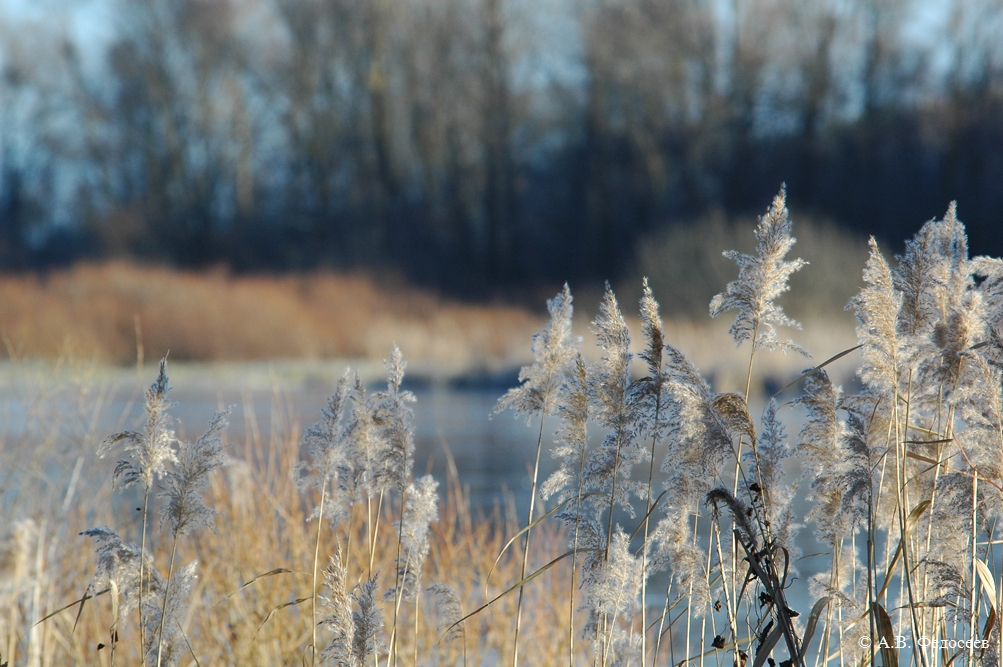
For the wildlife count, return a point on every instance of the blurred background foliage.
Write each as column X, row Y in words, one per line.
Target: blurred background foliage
column 486, row 145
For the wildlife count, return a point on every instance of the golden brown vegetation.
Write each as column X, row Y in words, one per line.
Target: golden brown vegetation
column 105, row 310
column 262, row 530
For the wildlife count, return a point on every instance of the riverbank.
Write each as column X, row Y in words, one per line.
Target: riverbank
column 303, row 330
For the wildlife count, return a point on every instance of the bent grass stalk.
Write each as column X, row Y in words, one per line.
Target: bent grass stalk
column 398, row 593
column 313, row 581
column 529, row 523
column 552, row 350
column 167, row 596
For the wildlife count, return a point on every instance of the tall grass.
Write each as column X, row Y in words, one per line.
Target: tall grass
column 672, row 531
column 103, row 310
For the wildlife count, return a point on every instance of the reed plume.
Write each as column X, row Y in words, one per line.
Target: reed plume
column 150, row 452
column 554, row 348
column 324, row 442
column 186, row 511
column 762, row 278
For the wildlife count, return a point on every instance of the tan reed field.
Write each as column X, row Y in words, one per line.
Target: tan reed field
column 671, row 533
column 103, row 311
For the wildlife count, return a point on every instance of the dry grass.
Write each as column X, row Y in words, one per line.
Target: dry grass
column 103, row 311
column 45, row 564
column 92, row 311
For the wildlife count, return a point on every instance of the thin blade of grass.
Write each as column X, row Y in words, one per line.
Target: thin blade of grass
column 889, row 655
column 81, row 602
column 661, row 616
column 527, row 528
column 280, row 607
column 920, row 457
column 514, row 587
column 645, row 517
column 910, row 525
column 809, row 631
column 516, row 536
column 990, row 623
column 812, row 370
column 188, row 644
column 814, row 555
column 953, row 657
column 988, row 582
column 271, row 573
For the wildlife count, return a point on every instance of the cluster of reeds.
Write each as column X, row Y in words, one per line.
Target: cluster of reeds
column 673, row 526
column 359, row 454
column 285, row 570
column 904, row 477
column 128, row 572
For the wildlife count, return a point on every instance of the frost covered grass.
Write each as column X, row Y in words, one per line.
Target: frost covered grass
column 669, row 534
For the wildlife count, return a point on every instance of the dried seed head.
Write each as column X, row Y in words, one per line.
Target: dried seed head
column 762, row 278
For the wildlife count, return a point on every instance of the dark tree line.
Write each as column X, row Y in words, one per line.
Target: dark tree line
column 474, row 143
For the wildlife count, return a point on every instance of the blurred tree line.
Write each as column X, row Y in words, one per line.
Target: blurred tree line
column 497, row 141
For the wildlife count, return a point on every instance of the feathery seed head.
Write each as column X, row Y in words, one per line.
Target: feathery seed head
column 152, row 449
column 733, row 412
column 739, row 512
column 942, row 312
column 355, row 633
column 979, row 402
column 324, row 442
column 612, row 591
column 613, row 587
column 450, row 611
column 365, row 444
column 421, row 509
column 611, row 374
column 186, row 509
column 396, row 427
column 650, row 395
column 118, row 561
column 766, row 466
column 762, row 278
column 395, row 366
column 835, row 457
column 877, row 307
column 698, row 437
column 572, row 436
column 608, row 468
column 934, row 258
column 168, row 616
column 989, row 274
column 554, row 348
column 651, row 327
column 368, row 621
column 339, row 617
